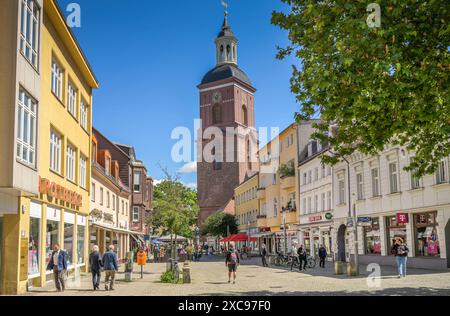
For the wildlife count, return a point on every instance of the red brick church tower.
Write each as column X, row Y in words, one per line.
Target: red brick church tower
column 226, row 101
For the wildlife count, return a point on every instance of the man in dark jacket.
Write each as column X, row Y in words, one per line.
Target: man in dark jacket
column 111, row 266
column 264, row 255
column 322, row 256
column 95, row 262
column 302, row 256
column 58, row 263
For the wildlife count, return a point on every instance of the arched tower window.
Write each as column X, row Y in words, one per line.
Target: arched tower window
column 228, row 53
column 217, row 114
column 234, row 53
column 222, row 57
column 244, row 115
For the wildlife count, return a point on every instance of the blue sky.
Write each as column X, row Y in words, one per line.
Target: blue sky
column 149, row 56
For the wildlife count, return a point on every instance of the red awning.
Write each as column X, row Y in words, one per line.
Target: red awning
column 238, row 237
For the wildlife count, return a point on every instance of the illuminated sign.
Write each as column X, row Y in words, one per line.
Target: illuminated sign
column 53, row 190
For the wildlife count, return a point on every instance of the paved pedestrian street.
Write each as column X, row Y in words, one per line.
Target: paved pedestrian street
column 209, row 277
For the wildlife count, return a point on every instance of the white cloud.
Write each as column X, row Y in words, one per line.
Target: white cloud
column 156, row 181
column 192, row 185
column 190, row 167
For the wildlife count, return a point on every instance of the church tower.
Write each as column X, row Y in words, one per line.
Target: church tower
column 226, row 102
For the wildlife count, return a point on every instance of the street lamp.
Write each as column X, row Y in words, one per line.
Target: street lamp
column 355, row 239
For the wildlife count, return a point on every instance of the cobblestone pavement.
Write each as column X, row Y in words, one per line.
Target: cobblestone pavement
column 209, row 277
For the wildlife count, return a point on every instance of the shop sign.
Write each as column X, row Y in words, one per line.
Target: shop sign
column 315, row 218
column 328, row 216
column 53, row 190
column 364, row 219
column 422, row 219
column 402, row 218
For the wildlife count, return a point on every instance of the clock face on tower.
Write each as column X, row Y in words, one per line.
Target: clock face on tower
column 217, row 97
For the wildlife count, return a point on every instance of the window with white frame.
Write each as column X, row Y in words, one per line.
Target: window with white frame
column 107, row 199
column 72, row 99
column 83, row 166
column 309, row 176
column 101, row 196
column 70, row 163
column 375, row 182
column 84, row 115
column 113, row 202
column 55, row 152
column 304, row 206
column 341, row 189
column 57, row 79
column 137, row 181
column 324, row 170
column 442, row 172
column 360, row 186
column 107, row 166
column 30, row 30
column 136, row 214
column 324, row 201
column 415, row 181
column 304, row 178
column 316, row 203
column 93, row 192
column 308, row 211
column 26, row 128
column 316, row 174
column 329, row 200
column 393, row 177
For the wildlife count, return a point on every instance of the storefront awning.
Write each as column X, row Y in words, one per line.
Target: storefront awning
column 262, row 234
column 114, row 229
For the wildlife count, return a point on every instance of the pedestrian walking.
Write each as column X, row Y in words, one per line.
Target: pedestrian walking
column 96, row 264
column 155, row 253
column 110, row 266
column 232, row 262
column 294, row 255
column 58, row 263
column 264, row 255
column 322, row 256
column 302, row 256
column 400, row 251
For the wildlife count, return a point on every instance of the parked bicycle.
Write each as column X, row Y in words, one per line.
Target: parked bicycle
column 281, row 259
column 311, row 262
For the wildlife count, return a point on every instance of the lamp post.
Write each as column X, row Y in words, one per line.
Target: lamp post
column 355, row 239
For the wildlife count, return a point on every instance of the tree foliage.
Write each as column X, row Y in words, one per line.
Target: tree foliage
column 219, row 224
column 381, row 86
column 175, row 208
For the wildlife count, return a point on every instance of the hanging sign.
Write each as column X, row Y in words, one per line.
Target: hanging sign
column 402, row 218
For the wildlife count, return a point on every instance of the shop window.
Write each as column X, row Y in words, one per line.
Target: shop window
column 51, row 238
column 81, row 231
column 372, row 236
column 68, row 241
column 427, row 241
column 33, row 246
column 394, row 230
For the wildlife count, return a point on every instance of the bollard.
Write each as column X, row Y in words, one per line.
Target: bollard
column 338, row 267
column 186, row 273
column 351, row 269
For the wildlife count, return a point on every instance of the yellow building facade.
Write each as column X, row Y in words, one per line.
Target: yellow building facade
column 247, row 208
column 278, row 191
column 55, row 209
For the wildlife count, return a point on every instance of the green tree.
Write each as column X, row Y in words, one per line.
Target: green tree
column 175, row 209
column 380, row 85
column 219, row 224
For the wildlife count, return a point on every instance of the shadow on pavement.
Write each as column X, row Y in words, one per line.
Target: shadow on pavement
column 406, row 291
